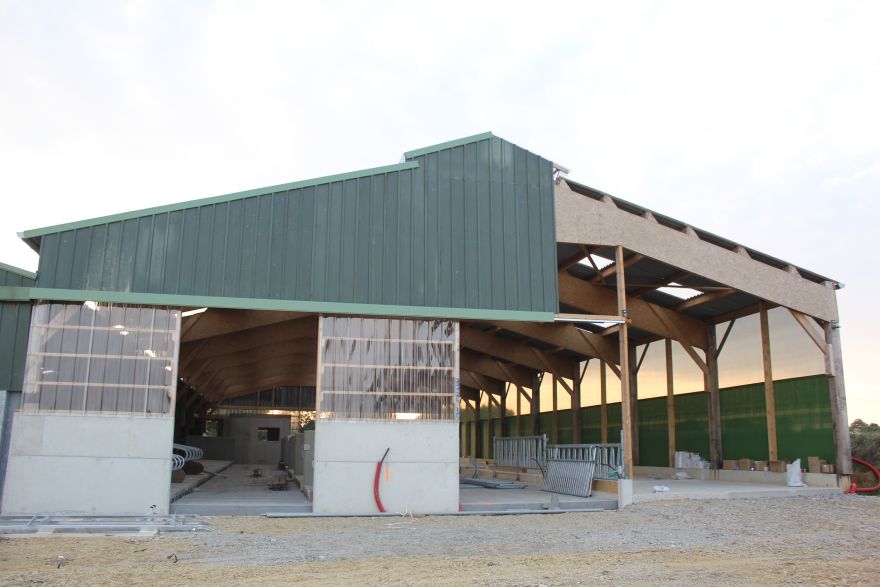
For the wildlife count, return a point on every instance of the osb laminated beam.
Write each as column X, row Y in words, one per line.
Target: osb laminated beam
column 479, row 363
column 216, row 322
column 652, row 318
column 569, row 337
column 308, row 360
column 247, row 339
column 196, row 368
column 254, row 384
column 583, row 220
column 522, row 354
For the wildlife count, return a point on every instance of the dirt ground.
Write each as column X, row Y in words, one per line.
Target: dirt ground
column 827, row 540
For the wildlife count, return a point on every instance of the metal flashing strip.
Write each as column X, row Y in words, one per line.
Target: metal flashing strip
column 17, row 271
column 448, row 145
column 28, row 235
column 348, row 308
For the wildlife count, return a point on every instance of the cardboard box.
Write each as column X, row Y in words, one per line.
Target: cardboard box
column 746, row 464
column 777, row 466
column 730, row 465
column 761, row 466
column 828, row 468
column 814, row 464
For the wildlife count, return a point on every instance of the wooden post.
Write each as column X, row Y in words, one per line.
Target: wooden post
column 670, row 402
column 502, row 408
column 634, row 400
column 478, row 427
column 769, row 397
column 837, row 391
column 576, row 406
column 603, row 402
column 536, row 404
column 491, row 433
column 518, row 409
column 467, row 431
column 625, row 369
column 554, row 423
column 710, row 380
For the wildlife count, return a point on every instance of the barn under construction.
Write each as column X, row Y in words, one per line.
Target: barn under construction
column 468, row 313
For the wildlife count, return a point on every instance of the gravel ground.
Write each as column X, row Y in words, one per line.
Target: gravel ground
column 819, row 540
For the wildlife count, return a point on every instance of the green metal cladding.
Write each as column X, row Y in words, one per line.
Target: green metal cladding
column 803, row 423
column 467, row 224
column 14, row 325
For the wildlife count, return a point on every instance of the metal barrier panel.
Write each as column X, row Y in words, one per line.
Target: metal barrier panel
column 569, row 477
column 607, row 457
column 520, row 451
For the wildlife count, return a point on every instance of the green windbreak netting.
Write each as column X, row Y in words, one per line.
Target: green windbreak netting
column 803, row 423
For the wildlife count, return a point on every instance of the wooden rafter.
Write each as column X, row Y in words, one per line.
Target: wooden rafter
column 610, row 270
column 485, row 365
column 490, row 344
column 667, row 323
column 703, row 298
column 566, row 336
column 583, row 252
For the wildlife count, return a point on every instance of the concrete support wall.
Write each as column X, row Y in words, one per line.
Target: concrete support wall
column 422, row 466
column 248, row 450
column 87, row 464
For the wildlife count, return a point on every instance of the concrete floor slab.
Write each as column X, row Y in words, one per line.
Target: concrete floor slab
column 474, row 498
column 643, row 490
column 238, row 493
column 178, row 490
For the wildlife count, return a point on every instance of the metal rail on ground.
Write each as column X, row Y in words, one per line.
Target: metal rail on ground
column 38, row 524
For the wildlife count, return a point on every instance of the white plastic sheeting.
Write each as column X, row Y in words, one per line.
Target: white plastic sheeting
column 388, row 369
column 95, row 357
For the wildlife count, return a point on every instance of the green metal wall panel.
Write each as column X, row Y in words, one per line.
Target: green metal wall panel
column 653, row 432
column 467, row 225
column 14, row 325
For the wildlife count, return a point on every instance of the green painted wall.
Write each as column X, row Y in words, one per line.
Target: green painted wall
column 803, row 422
column 468, row 224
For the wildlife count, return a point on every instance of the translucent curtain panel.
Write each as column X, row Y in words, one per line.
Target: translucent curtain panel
column 94, row 357
column 388, row 369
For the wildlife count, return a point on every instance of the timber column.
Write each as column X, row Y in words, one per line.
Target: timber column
column 710, row 379
column 625, row 368
column 837, row 390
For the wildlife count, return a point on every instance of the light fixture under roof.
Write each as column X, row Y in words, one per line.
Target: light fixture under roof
column 192, row 312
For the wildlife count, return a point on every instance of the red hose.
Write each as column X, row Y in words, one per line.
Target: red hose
column 376, row 481
column 854, row 489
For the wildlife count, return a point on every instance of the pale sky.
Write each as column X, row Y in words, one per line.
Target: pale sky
column 757, row 121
